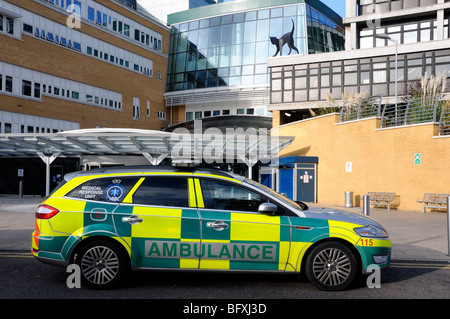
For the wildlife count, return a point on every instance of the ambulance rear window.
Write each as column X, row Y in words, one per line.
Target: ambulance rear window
column 111, row 189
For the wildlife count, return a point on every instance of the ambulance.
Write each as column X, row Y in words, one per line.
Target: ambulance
column 113, row 220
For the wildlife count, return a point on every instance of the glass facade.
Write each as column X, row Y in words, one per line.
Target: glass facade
column 324, row 35
column 232, row 49
column 369, row 75
column 405, row 32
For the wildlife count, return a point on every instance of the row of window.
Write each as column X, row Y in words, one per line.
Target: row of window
column 116, row 55
column 137, row 110
column 108, row 18
column 170, row 192
column 405, row 33
column 142, row 34
column 119, row 61
column 49, row 36
column 201, row 114
column 11, row 122
column 7, row 129
column 367, row 6
column 59, row 34
column 313, row 82
column 24, row 82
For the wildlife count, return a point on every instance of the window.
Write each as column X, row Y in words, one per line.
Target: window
column 27, row 28
column 136, row 34
column 1, row 22
column 9, row 25
column 161, row 115
column 136, row 111
column 26, row 88
column 99, row 17
column 91, row 14
column 77, row 46
column 226, row 196
column 37, row 90
column 75, row 95
column 111, row 189
column 50, row 36
column 9, row 84
column 163, row 191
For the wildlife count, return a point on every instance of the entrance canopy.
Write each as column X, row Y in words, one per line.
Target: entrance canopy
column 155, row 146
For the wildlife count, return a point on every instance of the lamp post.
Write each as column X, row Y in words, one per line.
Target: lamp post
column 386, row 37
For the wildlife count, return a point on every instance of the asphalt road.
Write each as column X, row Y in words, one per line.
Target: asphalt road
column 21, row 276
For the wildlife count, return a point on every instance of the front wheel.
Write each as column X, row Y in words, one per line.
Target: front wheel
column 331, row 266
column 103, row 264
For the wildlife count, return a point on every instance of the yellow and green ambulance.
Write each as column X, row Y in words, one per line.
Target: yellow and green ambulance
column 109, row 221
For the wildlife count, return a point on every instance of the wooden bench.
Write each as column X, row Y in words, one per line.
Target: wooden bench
column 381, row 199
column 433, row 200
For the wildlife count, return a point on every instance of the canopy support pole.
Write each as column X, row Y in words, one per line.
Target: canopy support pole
column 154, row 160
column 47, row 160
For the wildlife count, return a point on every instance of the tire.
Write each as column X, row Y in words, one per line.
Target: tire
column 331, row 266
column 103, row 264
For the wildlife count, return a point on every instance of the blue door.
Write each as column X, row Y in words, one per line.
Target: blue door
column 306, row 184
column 287, row 182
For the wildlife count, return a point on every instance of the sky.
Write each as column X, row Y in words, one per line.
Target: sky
column 337, row 5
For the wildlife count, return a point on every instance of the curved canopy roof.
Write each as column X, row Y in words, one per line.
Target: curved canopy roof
column 136, row 142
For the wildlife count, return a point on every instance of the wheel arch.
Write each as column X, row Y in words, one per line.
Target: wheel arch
column 348, row 244
column 90, row 239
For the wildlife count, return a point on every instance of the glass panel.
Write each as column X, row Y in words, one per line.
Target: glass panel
column 163, row 191
column 227, row 196
column 26, row 88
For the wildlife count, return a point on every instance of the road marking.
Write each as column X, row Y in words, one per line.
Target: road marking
column 445, row 266
column 421, row 265
column 12, row 254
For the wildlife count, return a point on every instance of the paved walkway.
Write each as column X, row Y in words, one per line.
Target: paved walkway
column 415, row 236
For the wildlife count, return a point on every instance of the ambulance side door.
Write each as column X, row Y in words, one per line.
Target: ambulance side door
column 164, row 222
column 234, row 235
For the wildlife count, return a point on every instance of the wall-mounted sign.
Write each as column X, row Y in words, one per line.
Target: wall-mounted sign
column 417, row 159
column 348, row 167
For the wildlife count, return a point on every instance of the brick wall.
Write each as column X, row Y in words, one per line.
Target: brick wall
column 382, row 160
column 46, row 57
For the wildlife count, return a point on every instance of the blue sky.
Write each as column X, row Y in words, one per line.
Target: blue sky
column 337, row 5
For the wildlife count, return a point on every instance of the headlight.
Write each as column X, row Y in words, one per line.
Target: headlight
column 371, row 231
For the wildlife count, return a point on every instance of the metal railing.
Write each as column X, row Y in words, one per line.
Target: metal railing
column 361, row 108
column 444, row 123
column 421, row 110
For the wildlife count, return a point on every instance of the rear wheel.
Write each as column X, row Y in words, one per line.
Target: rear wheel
column 331, row 266
column 103, row 264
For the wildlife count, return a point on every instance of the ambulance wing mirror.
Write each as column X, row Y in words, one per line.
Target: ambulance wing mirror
column 268, row 209
column 302, row 205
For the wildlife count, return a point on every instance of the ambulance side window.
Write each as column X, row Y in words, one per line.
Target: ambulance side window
column 111, row 189
column 163, row 191
column 228, row 196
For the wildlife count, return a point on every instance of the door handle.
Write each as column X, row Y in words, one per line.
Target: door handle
column 133, row 220
column 217, row 225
